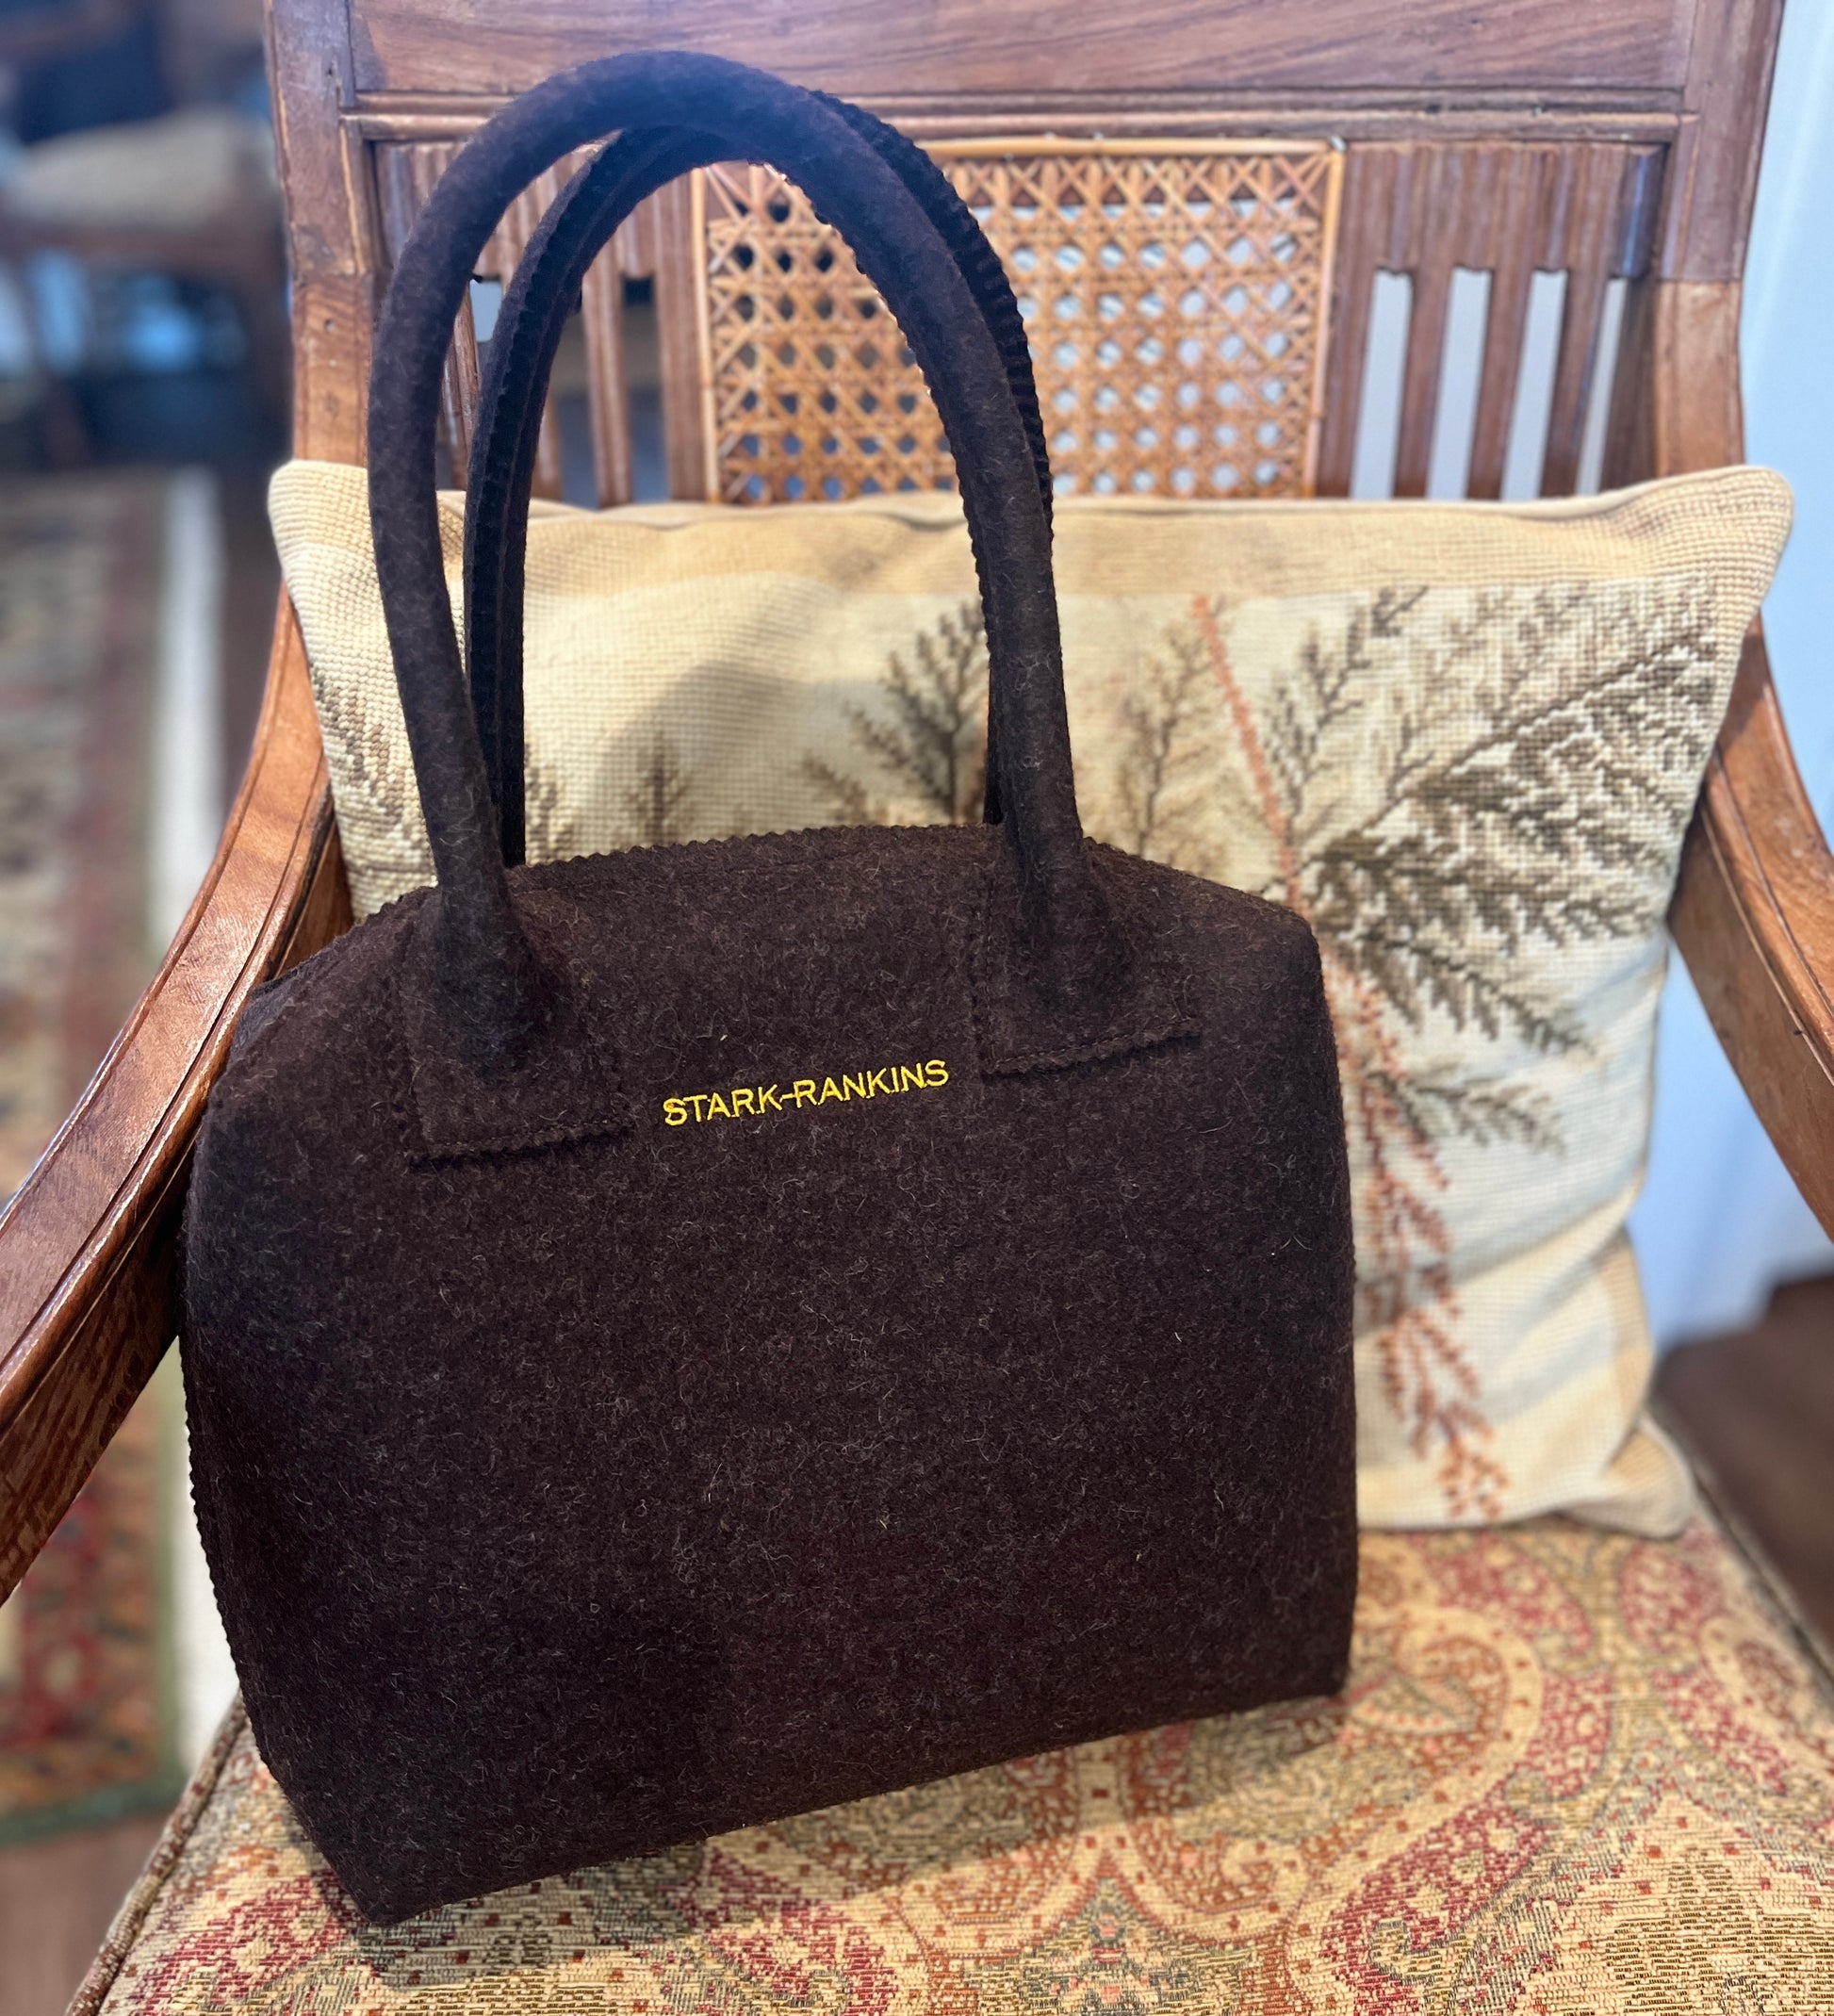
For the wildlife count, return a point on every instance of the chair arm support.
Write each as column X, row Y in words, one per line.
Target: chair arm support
column 1754, row 917
column 89, row 1246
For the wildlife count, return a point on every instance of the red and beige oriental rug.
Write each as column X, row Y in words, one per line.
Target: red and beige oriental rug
column 87, row 1699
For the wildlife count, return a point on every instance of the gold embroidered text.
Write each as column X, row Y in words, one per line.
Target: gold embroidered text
column 752, row 1102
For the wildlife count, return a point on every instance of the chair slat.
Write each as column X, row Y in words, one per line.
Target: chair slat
column 601, row 310
column 462, row 392
column 1573, row 373
column 639, row 243
column 1593, row 232
column 1430, row 187
column 405, row 178
column 681, row 328
column 1426, row 349
column 1522, row 176
column 1501, row 374
column 1368, row 203
column 520, row 224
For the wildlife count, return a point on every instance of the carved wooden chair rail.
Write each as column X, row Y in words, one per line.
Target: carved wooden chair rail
column 1615, row 142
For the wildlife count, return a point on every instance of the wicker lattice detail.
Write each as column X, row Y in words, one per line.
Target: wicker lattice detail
column 1174, row 300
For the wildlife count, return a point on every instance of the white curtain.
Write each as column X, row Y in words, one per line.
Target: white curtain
column 1720, row 1222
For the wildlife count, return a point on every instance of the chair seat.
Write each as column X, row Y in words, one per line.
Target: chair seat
column 200, row 167
column 1572, row 1771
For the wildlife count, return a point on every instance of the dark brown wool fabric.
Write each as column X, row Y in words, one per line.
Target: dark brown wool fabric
column 886, row 1309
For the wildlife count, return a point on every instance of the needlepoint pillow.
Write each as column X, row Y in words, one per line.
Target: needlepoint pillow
column 1464, row 740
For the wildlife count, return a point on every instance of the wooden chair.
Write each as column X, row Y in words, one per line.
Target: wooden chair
column 1617, row 143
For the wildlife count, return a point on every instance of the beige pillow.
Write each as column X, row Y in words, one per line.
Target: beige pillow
column 1464, row 739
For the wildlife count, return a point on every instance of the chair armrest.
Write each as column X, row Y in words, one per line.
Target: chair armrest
column 1753, row 910
column 1754, row 917
column 89, row 1246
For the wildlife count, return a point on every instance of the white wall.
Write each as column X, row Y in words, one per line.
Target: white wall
column 1720, row 1222
column 187, row 814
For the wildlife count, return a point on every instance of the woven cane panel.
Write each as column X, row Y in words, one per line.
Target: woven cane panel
column 1175, row 303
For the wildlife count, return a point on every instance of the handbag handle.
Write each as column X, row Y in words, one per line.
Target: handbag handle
column 1066, row 948
column 543, row 293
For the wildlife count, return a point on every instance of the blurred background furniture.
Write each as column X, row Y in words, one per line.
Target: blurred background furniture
column 167, row 196
column 1365, row 180
column 144, row 163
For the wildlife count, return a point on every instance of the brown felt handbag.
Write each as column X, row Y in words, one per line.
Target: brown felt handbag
column 681, row 1337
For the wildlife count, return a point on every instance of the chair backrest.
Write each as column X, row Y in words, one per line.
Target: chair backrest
column 1263, row 250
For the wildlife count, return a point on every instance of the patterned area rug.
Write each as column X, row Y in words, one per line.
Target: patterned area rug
column 1573, row 1773
column 86, row 1694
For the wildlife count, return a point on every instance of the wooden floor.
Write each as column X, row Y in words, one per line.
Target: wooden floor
column 57, row 1900
column 1756, row 1411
